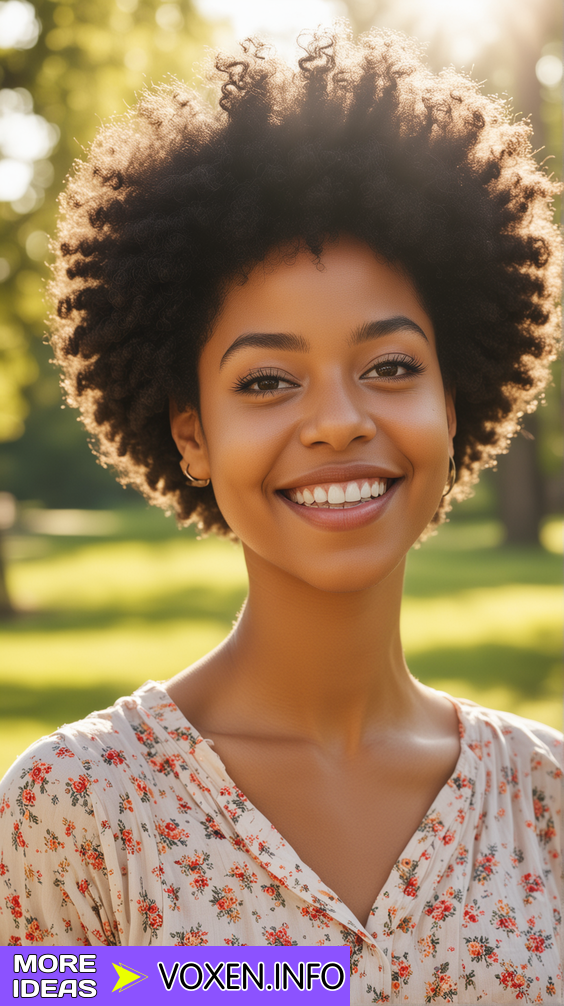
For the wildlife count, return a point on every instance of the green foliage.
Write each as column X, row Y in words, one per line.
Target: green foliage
column 91, row 58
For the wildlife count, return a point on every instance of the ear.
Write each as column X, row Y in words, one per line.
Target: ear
column 188, row 436
column 451, row 418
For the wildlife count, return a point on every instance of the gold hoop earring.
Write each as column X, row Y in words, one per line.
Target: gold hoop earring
column 197, row 483
column 451, row 477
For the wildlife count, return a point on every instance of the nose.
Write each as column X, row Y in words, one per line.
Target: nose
column 337, row 415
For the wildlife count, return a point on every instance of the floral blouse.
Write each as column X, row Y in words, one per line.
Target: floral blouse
column 124, row 828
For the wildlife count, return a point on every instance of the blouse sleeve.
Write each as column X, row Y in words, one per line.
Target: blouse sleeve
column 54, row 878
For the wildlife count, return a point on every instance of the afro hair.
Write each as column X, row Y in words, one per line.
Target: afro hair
column 178, row 198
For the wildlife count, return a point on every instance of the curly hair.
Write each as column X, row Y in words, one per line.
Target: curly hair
column 178, row 198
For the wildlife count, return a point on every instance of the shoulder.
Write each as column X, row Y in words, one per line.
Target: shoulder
column 523, row 758
column 80, row 747
column 515, row 735
column 74, row 764
column 64, row 837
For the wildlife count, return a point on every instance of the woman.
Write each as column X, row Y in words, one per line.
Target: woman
column 305, row 320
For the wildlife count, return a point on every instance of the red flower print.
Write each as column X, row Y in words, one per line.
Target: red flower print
column 171, row 833
column 279, row 937
column 532, row 883
column 34, row 933
column 28, row 797
column 513, row 980
column 114, row 757
column 64, row 752
column 13, row 903
column 440, row 909
column 411, row 888
column 199, row 881
column 536, row 944
column 316, row 915
column 39, row 771
column 195, row 937
column 271, row 892
column 79, row 785
column 152, row 917
column 83, row 886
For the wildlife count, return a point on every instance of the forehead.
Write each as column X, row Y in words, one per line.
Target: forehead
column 291, row 291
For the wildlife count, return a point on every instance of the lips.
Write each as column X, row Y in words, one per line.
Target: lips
column 339, row 494
column 348, row 514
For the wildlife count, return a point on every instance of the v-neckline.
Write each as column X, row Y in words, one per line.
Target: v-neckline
column 402, row 889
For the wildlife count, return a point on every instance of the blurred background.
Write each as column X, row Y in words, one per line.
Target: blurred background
column 99, row 593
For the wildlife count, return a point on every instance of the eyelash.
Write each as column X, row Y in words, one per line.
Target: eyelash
column 243, row 384
column 410, row 364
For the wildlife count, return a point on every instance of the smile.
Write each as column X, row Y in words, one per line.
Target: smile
column 339, row 495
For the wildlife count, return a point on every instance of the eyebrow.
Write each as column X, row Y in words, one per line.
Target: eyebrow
column 377, row 329
column 297, row 344
column 267, row 340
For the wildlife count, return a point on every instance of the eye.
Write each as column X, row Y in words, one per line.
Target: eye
column 269, row 384
column 263, row 383
column 394, row 367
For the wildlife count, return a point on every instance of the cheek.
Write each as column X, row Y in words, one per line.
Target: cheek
column 418, row 426
column 242, row 451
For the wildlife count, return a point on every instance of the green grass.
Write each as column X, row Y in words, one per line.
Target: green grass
column 100, row 616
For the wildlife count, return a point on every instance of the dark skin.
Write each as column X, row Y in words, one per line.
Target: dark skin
column 309, row 701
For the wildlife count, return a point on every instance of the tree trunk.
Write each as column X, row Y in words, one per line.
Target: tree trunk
column 520, row 488
column 7, row 519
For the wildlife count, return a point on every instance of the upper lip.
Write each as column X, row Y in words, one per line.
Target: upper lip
column 341, row 473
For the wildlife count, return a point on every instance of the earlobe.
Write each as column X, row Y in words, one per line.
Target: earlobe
column 188, row 436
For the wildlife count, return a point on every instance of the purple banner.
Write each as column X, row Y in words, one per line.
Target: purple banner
column 173, row 975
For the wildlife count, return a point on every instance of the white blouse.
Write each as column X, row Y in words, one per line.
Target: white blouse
column 124, row 828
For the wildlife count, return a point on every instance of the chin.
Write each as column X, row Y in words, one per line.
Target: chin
column 348, row 577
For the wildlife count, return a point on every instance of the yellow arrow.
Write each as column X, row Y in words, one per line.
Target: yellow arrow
column 126, row 976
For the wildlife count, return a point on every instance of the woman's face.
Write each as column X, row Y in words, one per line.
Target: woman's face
column 325, row 427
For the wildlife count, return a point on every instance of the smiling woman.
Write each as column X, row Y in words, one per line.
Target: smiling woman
column 305, row 319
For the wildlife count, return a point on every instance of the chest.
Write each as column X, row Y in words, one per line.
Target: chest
column 348, row 820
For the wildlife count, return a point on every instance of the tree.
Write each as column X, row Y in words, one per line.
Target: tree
column 73, row 63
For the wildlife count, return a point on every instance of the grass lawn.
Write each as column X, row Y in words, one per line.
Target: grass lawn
column 98, row 616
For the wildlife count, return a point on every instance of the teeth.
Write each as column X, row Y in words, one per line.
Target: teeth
column 352, row 494
column 336, row 494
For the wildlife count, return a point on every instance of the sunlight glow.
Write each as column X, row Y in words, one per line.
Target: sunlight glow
column 468, row 25
column 281, row 21
column 549, row 71
column 19, row 28
column 463, row 27
column 25, row 139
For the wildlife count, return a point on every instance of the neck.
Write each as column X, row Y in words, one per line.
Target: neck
column 319, row 665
